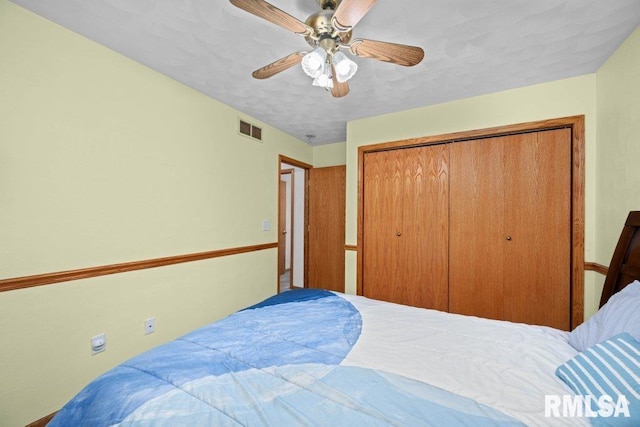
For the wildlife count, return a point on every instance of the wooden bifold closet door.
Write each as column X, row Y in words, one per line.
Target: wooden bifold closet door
column 510, row 228
column 406, row 226
column 481, row 226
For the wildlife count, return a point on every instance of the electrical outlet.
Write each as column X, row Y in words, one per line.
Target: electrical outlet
column 98, row 343
column 150, row 325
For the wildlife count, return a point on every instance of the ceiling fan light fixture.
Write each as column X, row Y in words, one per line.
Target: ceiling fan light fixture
column 327, row 31
column 324, row 81
column 313, row 62
column 344, row 67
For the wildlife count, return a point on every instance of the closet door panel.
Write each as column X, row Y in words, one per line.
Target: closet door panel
column 405, row 232
column 423, row 241
column 477, row 225
column 382, row 177
column 537, row 265
column 510, row 239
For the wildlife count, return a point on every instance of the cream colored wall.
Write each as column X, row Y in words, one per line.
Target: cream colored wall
column 330, row 155
column 618, row 150
column 105, row 161
column 575, row 96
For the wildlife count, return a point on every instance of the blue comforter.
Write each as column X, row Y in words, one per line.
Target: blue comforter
column 276, row 363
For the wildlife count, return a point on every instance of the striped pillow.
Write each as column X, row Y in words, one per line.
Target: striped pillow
column 610, row 368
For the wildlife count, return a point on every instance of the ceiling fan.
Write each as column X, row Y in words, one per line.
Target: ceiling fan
column 327, row 32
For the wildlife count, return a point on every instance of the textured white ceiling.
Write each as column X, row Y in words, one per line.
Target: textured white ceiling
column 472, row 47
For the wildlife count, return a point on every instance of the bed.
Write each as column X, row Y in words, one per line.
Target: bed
column 314, row 357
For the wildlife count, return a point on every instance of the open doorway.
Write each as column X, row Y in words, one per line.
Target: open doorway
column 286, row 214
column 292, row 221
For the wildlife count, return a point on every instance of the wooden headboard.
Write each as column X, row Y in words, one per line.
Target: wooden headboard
column 625, row 263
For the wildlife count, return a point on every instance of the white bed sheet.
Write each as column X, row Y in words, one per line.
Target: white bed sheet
column 508, row 366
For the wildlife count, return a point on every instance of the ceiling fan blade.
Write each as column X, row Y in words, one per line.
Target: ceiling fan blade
column 278, row 66
column 274, row 15
column 400, row 54
column 339, row 89
column 350, row 12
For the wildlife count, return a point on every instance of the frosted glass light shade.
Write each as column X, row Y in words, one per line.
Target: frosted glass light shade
column 323, row 81
column 313, row 62
column 344, row 67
